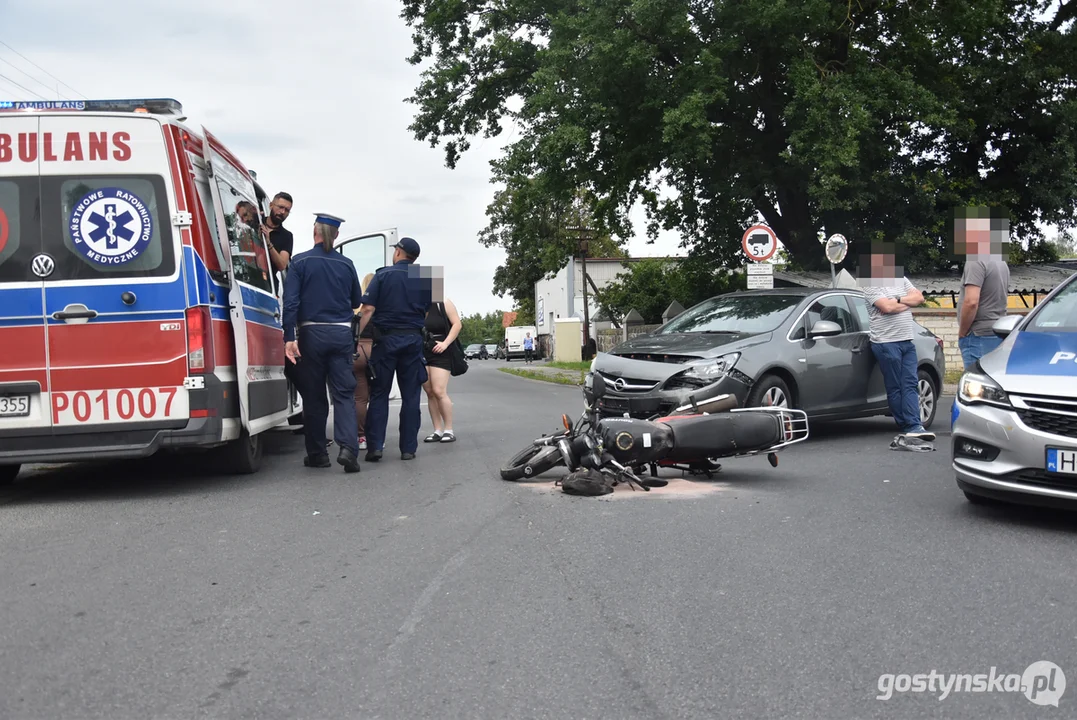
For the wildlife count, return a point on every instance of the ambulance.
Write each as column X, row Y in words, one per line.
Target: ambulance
column 138, row 308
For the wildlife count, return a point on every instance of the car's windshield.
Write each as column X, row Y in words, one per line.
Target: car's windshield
column 749, row 314
column 1059, row 314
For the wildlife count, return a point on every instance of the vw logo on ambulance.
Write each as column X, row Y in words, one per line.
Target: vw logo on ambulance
column 111, row 226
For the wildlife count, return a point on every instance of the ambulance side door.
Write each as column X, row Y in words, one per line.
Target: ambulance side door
column 254, row 307
column 369, row 252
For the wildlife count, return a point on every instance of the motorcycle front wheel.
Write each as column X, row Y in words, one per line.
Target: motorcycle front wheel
column 531, row 461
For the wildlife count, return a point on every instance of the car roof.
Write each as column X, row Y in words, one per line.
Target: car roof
column 800, row 292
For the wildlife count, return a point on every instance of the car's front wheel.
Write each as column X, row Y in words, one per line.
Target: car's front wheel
column 928, row 398
column 770, row 391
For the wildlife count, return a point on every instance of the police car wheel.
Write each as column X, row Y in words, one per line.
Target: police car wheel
column 8, row 473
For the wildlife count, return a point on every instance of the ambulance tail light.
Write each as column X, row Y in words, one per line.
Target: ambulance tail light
column 198, row 327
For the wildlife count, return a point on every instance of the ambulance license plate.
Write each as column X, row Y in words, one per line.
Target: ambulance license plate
column 1063, row 462
column 14, row 405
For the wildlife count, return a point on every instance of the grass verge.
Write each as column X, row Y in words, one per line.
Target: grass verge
column 581, row 366
column 952, row 376
column 559, row 378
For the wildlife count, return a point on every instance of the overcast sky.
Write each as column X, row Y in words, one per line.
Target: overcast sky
column 310, row 95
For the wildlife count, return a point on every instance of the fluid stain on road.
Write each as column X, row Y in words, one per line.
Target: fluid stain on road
column 677, row 489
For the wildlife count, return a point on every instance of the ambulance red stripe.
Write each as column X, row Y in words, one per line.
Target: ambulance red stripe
column 265, row 345
column 115, row 343
column 224, row 349
column 23, row 356
column 169, row 374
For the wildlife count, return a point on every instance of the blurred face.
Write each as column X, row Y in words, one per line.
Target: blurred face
column 973, row 236
column 279, row 210
column 247, row 214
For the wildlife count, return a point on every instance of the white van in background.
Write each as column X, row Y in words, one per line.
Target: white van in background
column 514, row 341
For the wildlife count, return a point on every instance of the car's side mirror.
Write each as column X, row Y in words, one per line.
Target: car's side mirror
column 1006, row 325
column 825, row 328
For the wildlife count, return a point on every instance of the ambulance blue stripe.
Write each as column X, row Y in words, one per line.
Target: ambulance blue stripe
column 252, row 298
column 129, row 317
column 191, row 275
column 20, row 302
column 153, row 297
column 1043, row 354
column 21, row 322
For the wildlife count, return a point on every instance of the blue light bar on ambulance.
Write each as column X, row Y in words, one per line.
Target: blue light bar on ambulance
column 155, row 106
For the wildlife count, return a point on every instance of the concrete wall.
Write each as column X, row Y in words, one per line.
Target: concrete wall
column 943, row 322
column 554, row 294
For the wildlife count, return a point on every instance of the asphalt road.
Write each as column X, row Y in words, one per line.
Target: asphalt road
column 432, row 589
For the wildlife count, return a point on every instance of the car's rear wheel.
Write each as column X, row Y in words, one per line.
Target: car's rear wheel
column 770, row 391
column 8, row 473
column 928, row 397
column 243, row 456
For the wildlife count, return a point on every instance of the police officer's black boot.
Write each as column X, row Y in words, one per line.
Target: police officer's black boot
column 348, row 459
column 373, row 455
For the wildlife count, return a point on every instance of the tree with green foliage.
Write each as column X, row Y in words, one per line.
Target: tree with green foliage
column 536, row 225
column 651, row 284
column 482, row 329
column 871, row 118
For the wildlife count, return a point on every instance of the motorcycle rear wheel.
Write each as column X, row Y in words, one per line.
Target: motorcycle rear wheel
column 531, row 461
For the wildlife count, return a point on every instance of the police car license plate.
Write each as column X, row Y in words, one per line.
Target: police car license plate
column 14, row 405
column 1063, row 462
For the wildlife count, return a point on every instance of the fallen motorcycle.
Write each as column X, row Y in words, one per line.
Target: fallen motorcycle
column 692, row 439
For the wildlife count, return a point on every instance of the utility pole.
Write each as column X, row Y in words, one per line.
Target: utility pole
column 584, row 237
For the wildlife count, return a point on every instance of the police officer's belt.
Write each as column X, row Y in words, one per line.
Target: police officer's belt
column 309, row 322
column 400, row 331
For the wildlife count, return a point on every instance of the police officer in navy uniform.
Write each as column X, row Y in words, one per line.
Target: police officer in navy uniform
column 397, row 301
column 321, row 295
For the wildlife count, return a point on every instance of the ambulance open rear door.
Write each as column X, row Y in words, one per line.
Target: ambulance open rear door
column 254, row 306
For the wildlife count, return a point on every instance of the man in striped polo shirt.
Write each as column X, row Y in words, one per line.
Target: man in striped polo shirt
column 891, row 298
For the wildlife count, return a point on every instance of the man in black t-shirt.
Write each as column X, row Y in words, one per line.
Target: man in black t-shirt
column 280, row 239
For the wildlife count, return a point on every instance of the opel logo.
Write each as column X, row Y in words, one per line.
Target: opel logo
column 618, row 384
column 42, row 265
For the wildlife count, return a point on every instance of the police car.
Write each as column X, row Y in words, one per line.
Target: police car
column 1014, row 419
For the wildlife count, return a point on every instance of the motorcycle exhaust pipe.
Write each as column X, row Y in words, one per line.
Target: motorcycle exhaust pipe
column 720, row 403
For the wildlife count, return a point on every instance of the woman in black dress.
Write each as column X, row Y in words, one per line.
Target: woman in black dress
column 443, row 324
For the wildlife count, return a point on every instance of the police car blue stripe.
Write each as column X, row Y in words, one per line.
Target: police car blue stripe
column 1043, row 354
column 218, row 312
column 20, row 302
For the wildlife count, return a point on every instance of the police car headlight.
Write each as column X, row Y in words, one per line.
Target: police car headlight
column 979, row 388
column 711, row 369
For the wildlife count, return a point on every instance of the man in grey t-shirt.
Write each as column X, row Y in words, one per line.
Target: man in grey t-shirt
column 890, row 299
column 985, row 282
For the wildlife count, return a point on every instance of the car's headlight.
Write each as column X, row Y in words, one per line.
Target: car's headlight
column 712, row 369
column 979, row 388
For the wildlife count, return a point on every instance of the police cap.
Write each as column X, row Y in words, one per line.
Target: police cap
column 409, row 246
column 327, row 219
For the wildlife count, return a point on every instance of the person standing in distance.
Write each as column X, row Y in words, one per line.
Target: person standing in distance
column 321, row 296
column 397, row 300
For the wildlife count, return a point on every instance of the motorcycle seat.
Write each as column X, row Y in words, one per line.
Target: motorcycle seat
column 698, row 437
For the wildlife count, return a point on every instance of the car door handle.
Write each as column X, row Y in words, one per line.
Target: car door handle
column 857, row 351
column 75, row 312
